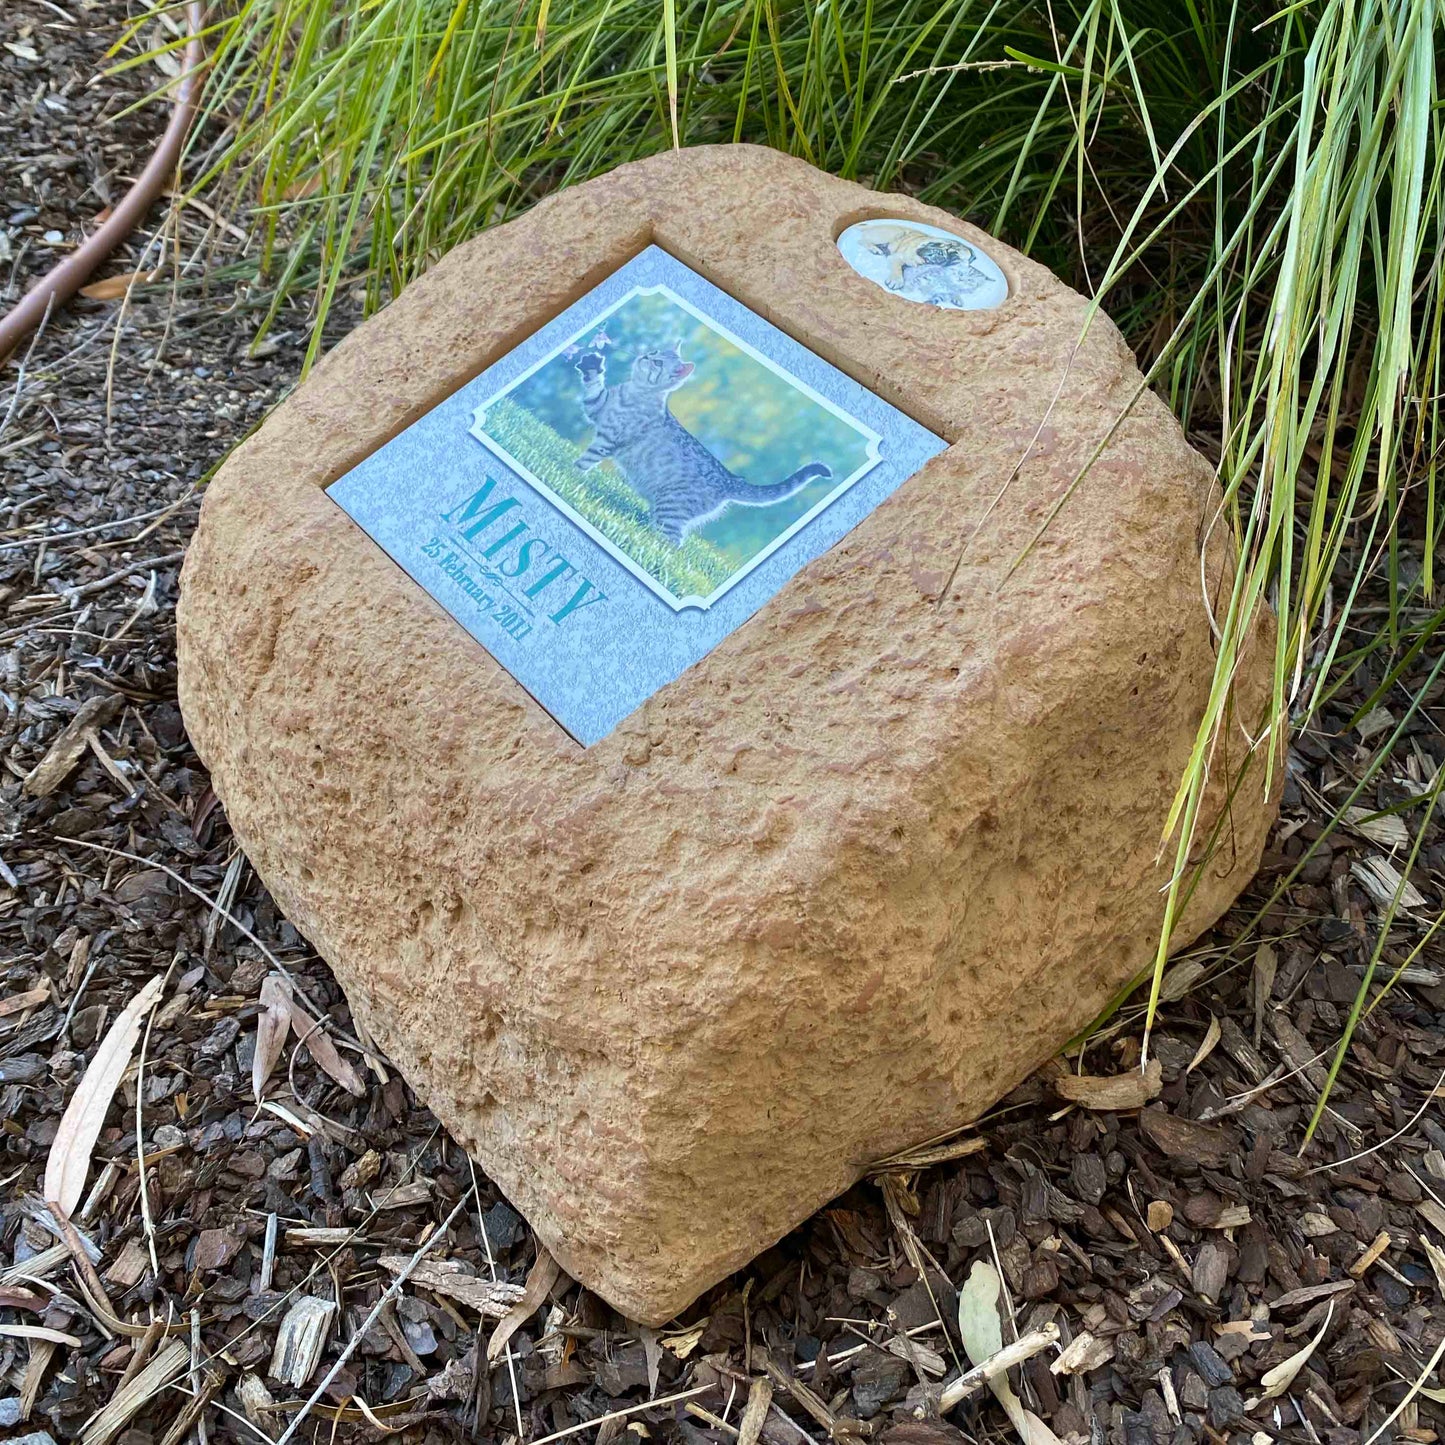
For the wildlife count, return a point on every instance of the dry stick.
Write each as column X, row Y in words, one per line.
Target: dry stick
column 1024, row 1348
column 848, row 1354
column 89, row 589
column 616, row 1414
column 24, row 363
column 155, row 514
column 351, row 1344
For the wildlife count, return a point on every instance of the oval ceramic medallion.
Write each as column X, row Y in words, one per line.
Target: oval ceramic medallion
column 923, row 263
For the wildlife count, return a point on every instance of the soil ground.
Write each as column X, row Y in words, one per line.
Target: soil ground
column 1182, row 1250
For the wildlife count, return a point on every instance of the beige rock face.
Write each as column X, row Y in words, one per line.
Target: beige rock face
column 839, row 886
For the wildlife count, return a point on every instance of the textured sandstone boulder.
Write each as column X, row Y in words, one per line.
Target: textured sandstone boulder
column 839, row 886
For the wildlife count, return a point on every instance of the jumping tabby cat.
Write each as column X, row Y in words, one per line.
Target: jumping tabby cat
column 683, row 483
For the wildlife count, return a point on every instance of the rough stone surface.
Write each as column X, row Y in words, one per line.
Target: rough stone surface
column 840, row 885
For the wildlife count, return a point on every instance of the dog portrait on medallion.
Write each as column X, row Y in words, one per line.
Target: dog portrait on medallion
column 682, row 449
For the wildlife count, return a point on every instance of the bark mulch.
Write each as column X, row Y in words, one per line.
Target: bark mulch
column 1180, row 1246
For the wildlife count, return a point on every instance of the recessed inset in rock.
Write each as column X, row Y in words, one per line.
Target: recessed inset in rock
column 655, row 463
column 863, row 856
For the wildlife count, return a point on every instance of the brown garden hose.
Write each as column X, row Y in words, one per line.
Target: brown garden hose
column 61, row 282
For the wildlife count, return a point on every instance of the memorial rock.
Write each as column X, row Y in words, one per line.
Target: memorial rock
column 684, row 883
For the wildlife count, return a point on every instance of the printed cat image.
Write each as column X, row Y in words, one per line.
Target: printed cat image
column 933, row 270
column 684, row 484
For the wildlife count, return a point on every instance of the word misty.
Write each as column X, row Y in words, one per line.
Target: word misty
column 520, row 556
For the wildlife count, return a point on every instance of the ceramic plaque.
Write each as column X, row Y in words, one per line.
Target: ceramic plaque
column 924, row 263
column 606, row 503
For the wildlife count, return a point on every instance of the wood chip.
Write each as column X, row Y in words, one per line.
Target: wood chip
column 755, row 1412
column 317, row 1238
column 257, row 1401
column 404, row 1196
column 19, row 1002
column 300, row 1340
column 1381, row 880
column 1114, row 1091
column 1388, row 829
column 68, row 749
column 130, row 1264
column 1083, row 1353
column 1370, row 1254
column 1294, row 1298
column 1211, row 1269
column 490, row 1298
column 169, row 1362
column 1206, row 1144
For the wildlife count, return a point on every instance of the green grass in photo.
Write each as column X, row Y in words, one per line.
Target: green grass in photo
column 695, row 569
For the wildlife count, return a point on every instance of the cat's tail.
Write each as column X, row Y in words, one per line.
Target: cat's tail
column 751, row 496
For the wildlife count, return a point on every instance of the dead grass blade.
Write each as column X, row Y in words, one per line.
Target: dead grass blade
column 69, row 1159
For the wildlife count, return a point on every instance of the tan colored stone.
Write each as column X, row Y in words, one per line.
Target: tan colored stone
column 839, row 886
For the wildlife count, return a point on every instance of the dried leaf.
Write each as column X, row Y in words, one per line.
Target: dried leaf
column 1436, row 1256
column 324, row 1052
column 1115, row 1091
column 300, row 1340
column 112, row 287
column 1211, row 1038
column 1279, row 1379
column 540, row 1279
column 39, row 1332
column 981, row 1327
column 69, row 1159
column 1039, row 1433
column 652, row 1349
column 272, row 1026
